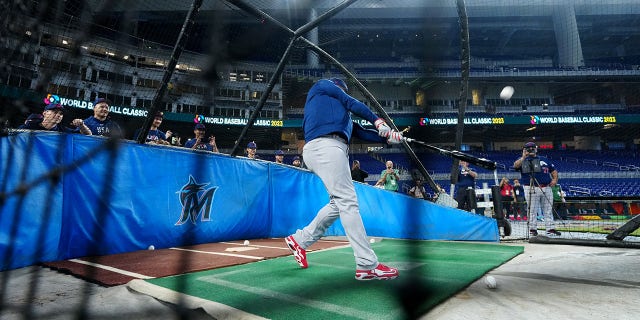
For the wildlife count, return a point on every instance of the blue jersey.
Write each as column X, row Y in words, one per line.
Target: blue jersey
column 465, row 179
column 543, row 178
column 328, row 111
column 102, row 128
column 201, row 146
column 153, row 136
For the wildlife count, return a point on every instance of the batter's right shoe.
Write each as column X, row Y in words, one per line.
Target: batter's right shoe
column 298, row 253
column 381, row 272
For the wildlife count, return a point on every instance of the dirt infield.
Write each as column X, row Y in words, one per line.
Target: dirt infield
column 121, row 268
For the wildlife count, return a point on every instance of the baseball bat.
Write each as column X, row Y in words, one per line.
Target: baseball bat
column 481, row 162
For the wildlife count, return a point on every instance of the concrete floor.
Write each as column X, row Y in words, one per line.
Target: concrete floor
column 554, row 281
column 557, row 281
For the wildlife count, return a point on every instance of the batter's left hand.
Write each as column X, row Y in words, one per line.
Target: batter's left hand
column 395, row 137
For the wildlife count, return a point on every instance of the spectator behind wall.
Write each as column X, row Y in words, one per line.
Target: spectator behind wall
column 252, row 148
column 155, row 135
column 559, row 202
column 390, row 177
column 279, row 156
column 50, row 120
column 297, row 162
column 100, row 123
column 506, row 191
column 358, row 174
column 418, row 190
column 199, row 142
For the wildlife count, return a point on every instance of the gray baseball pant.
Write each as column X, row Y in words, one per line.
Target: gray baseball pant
column 540, row 198
column 328, row 158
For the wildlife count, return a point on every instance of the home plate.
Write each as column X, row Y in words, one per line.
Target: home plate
column 240, row 249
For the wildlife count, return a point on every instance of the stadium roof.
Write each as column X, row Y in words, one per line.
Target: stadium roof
column 391, row 30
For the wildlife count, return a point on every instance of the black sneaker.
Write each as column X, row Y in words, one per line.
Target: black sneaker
column 533, row 232
column 553, row 232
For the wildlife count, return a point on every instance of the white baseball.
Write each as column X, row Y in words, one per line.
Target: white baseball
column 490, row 281
column 372, row 240
column 506, row 93
column 246, row 242
column 151, row 247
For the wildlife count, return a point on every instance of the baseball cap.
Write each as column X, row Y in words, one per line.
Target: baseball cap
column 159, row 114
column 101, row 100
column 252, row 145
column 296, row 158
column 54, row 106
column 199, row 126
column 340, row 83
column 530, row 145
column 279, row 153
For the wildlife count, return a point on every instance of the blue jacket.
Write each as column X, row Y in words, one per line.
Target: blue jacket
column 328, row 111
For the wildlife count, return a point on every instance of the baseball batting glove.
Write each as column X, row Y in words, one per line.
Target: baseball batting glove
column 382, row 127
column 395, row 137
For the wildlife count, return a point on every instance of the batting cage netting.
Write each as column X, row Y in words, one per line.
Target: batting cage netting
column 477, row 86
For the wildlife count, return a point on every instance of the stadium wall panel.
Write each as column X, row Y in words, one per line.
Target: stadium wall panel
column 127, row 198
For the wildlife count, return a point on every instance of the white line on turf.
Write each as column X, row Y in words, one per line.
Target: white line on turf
column 320, row 305
column 220, row 253
column 112, row 269
column 215, row 309
column 254, row 245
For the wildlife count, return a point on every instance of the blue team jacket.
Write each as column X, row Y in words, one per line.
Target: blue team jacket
column 328, row 111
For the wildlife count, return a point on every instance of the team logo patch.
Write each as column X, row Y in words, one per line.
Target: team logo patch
column 196, row 200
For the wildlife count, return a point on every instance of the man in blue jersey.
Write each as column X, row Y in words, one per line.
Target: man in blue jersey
column 537, row 175
column 328, row 129
column 155, row 135
column 200, row 142
column 100, row 124
column 251, row 150
column 50, row 120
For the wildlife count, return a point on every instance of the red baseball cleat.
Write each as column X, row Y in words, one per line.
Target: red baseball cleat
column 298, row 253
column 381, row 272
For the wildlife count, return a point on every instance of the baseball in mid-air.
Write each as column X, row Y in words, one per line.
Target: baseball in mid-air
column 151, row 247
column 506, row 93
column 246, row 242
column 490, row 281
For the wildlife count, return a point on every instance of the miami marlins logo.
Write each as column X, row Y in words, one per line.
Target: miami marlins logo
column 195, row 200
